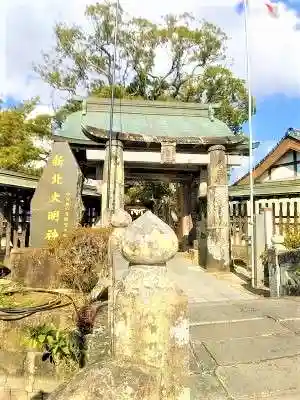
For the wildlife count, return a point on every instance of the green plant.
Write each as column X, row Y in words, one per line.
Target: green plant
column 264, row 256
column 57, row 345
column 292, row 238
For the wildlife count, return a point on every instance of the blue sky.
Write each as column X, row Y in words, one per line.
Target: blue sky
column 274, row 48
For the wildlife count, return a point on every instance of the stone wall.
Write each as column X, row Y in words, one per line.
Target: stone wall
column 23, row 375
column 284, row 269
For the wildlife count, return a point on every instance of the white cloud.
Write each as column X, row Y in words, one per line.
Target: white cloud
column 40, row 110
column 27, row 25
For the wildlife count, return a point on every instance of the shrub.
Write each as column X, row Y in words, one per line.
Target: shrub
column 57, row 345
column 81, row 258
column 292, row 238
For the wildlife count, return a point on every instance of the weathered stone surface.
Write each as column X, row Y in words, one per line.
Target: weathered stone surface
column 12, row 363
column 150, row 318
column 37, row 367
column 56, row 206
column 113, row 185
column 5, row 394
column 279, row 309
column 217, row 169
column 168, row 152
column 111, row 381
column 240, row 329
column 246, row 350
column 149, row 241
column 210, row 312
column 98, row 343
column 206, row 387
column 293, row 325
column 217, row 211
column 18, row 395
column 45, row 384
column 16, row 382
column 3, row 379
column 120, row 219
column 201, row 362
column 185, row 224
column 150, row 322
column 270, row 378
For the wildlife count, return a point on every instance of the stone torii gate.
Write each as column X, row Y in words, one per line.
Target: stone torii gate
column 170, row 142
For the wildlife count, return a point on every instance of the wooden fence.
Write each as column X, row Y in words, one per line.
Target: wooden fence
column 286, row 215
column 14, row 221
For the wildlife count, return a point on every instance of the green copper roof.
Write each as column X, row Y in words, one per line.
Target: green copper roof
column 171, row 119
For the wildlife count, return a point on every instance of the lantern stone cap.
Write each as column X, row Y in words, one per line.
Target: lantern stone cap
column 120, row 218
column 149, row 241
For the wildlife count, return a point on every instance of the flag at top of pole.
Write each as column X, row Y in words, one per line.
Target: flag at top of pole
column 240, row 7
column 272, row 8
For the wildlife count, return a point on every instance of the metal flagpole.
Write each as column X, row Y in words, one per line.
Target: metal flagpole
column 248, row 71
column 110, row 205
column 112, row 103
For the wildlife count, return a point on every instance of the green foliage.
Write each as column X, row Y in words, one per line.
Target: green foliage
column 292, row 238
column 57, row 345
column 193, row 72
column 17, row 134
column 148, row 192
column 69, row 107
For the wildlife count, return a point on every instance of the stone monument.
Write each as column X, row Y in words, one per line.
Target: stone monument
column 151, row 330
column 56, row 206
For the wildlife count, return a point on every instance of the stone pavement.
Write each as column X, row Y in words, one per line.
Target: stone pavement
column 245, row 349
column 201, row 286
column 242, row 346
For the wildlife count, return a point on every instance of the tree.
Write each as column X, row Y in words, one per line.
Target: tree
column 193, row 72
column 19, row 137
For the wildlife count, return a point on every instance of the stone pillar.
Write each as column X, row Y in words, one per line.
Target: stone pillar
column 218, row 255
column 151, row 327
column 116, row 187
column 202, row 218
column 185, row 225
column 151, row 313
column 259, row 248
column 268, row 226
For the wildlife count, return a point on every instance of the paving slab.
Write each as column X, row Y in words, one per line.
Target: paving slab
column 198, row 284
column 216, row 312
column 278, row 309
column 268, row 378
column 246, row 350
column 201, row 362
column 293, row 325
column 207, row 387
column 239, row 329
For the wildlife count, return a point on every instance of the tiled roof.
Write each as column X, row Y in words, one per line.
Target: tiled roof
column 146, row 118
column 291, row 133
